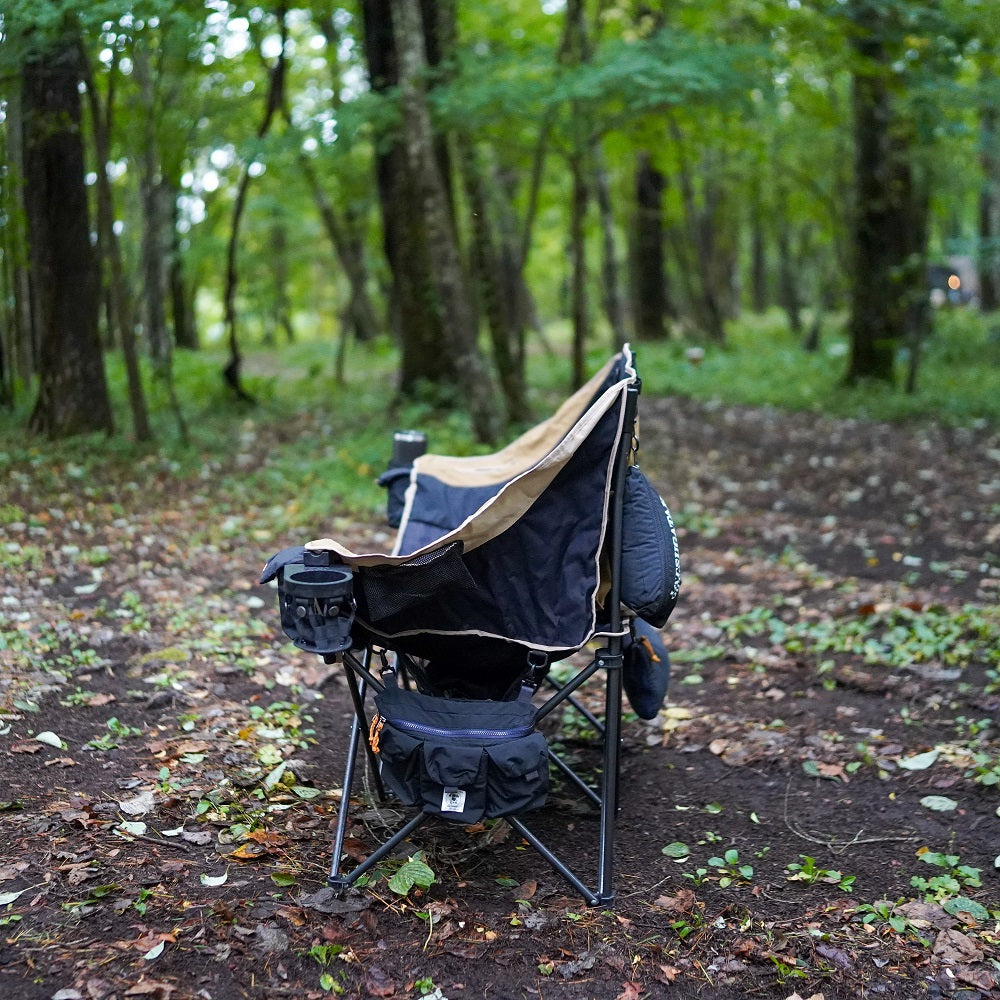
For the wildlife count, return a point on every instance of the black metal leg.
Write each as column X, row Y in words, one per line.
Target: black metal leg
column 345, row 799
column 343, row 881
column 609, row 789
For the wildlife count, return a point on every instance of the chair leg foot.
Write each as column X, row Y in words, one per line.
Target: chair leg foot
column 339, row 884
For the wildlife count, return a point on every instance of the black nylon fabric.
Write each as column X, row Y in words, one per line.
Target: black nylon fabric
column 534, row 583
column 476, row 759
column 438, row 508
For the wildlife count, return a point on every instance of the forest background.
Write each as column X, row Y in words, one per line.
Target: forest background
column 473, row 186
column 241, row 244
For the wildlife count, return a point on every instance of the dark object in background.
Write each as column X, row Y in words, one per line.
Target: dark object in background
column 407, row 446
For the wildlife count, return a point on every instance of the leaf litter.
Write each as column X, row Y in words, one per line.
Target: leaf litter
column 833, row 688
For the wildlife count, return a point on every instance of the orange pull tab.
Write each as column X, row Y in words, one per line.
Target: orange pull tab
column 374, row 731
column 649, row 648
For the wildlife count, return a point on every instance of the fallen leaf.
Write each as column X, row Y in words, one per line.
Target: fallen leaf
column 682, row 902
column 939, row 803
column 137, row 806
column 668, row 973
column 213, row 881
column 630, row 991
column 151, row 988
column 378, row 983
column 955, row 948
column 527, row 890
column 920, row 762
column 923, row 915
column 249, row 852
column 50, row 739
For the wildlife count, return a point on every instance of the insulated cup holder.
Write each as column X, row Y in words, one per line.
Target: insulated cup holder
column 317, row 606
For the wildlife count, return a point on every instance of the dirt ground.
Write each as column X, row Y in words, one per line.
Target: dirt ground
column 170, row 764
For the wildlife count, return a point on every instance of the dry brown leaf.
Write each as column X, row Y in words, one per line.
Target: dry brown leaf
column 956, row 948
column 630, row 991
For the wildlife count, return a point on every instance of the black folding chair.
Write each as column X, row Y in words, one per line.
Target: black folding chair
column 503, row 565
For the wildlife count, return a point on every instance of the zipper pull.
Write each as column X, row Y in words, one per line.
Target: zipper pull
column 374, row 731
column 649, row 649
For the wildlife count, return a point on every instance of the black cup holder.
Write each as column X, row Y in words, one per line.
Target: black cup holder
column 317, row 606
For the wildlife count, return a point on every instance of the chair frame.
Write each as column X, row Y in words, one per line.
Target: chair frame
column 362, row 680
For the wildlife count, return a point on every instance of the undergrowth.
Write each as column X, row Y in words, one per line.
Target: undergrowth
column 329, row 438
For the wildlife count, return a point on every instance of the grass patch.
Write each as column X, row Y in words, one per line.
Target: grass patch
column 329, row 439
column 762, row 364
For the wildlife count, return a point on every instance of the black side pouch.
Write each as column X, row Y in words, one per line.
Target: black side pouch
column 463, row 760
column 651, row 572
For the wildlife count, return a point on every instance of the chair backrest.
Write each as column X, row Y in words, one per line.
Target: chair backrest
column 504, row 552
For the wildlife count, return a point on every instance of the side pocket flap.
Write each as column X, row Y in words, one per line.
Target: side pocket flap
column 453, row 765
column 523, row 758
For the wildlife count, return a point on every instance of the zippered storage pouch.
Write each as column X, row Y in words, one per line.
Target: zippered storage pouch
column 462, row 759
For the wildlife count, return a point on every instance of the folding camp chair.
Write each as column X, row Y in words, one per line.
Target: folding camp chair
column 503, row 565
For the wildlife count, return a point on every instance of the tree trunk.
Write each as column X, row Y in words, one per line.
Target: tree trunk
column 989, row 198
column 153, row 260
column 788, row 278
column 179, row 288
column 578, row 269
column 72, row 395
column 704, row 271
column 121, row 321
column 759, row 297
column 17, row 351
column 423, row 354
column 885, row 211
column 448, row 299
column 346, row 231
column 649, row 277
column 500, row 309
column 614, row 307
column 361, row 311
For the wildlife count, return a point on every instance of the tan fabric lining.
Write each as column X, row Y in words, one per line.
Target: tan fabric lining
column 522, row 453
column 538, row 447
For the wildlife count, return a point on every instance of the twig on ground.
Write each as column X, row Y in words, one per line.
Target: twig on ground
column 839, row 846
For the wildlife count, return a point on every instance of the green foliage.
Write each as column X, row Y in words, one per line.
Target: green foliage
column 763, row 365
column 810, row 873
column 894, row 637
column 414, row 872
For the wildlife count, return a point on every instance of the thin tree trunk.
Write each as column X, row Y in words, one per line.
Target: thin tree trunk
column 345, row 232
column 274, row 104
column 989, row 197
column 578, row 265
column 575, row 50
column 758, row 256
column 699, row 223
column 361, row 309
column 649, row 278
column 120, row 315
column 181, row 294
column 500, row 310
column 788, row 279
column 614, row 306
column 872, row 333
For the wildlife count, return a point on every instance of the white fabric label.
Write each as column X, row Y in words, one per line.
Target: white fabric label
column 453, row 800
